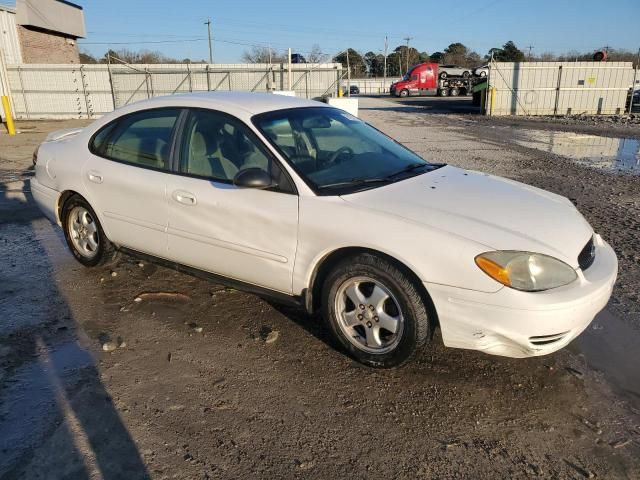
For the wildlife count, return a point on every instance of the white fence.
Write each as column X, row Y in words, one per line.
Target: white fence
column 560, row 88
column 88, row 91
column 372, row 86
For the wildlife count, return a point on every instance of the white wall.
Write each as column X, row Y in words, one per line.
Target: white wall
column 88, row 91
column 548, row 88
column 9, row 42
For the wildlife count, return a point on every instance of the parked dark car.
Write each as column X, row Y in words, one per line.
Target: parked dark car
column 353, row 90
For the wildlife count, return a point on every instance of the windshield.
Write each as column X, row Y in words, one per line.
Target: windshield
column 336, row 153
column 405, row 77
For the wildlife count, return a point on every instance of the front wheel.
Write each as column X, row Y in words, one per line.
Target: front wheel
column 466, row 74
column 84, row 234
column 404, row 93
column 443, row 75
column 375, row 311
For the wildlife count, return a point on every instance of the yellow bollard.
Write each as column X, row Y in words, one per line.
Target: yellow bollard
column 492, row 99
column 7, row 113
column 339, row 92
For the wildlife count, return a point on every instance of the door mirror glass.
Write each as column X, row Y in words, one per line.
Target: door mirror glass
column 253, row 177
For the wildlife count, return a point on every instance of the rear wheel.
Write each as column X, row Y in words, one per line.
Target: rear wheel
column 454, row 92
column 444, row 92
column 84, row 234
column 483, row 74
column 466, row 74
column 404, row 93
column 443, row 75
column 374, row 311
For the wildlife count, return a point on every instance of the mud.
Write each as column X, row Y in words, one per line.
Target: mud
column 200, row 387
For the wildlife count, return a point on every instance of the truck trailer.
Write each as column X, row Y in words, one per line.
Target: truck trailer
column 424, row 80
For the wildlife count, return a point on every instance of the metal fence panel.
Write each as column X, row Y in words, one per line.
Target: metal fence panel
column 88, row 91
column 560, row 88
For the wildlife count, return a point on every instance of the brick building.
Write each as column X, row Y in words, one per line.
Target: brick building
column 42, row 31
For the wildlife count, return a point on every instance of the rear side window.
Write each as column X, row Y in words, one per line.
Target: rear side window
column 142, row 138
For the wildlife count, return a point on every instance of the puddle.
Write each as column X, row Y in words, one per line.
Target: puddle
column 620, row 155
column 611, row 346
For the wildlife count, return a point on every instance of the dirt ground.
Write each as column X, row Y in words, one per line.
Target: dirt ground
column 216, row 383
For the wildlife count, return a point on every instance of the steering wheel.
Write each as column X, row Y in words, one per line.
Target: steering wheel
column 335, row 155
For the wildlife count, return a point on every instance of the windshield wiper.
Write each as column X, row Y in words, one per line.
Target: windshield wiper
column 356, row 182
column 409, row 168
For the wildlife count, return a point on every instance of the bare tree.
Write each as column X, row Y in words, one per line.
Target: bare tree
column 316, row 55
column 263, row 55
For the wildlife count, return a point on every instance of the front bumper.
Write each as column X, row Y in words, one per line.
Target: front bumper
column 525, row 324
column 46, row 198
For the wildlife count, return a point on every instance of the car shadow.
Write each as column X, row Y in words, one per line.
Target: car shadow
column 57, row 418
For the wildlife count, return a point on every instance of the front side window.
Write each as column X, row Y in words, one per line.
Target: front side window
column 335, row 152
column 142, row 138
column 215, row 146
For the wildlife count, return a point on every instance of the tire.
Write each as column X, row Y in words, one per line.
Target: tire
column 443, row 75
column 444, row 92
column 97, row 250
column 465, row 74
column 404, row 93
column 395, row 301
column 483, row 74
column 454, row 92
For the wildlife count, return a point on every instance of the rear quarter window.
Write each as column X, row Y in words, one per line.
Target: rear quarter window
column 141, row 138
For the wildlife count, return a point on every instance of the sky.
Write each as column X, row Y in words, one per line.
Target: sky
column 177, row 29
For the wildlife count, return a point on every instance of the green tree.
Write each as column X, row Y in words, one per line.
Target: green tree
column 356, row 62
column 437, row 57
column 508, row 53
column 374, row 63
column 459, row 54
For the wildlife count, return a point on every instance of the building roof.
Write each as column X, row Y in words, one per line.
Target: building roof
column 7, row 8
column 59, row 16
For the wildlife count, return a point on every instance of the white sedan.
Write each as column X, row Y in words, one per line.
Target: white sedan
column 305, row 203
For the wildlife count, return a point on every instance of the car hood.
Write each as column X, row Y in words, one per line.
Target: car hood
column 499, row 213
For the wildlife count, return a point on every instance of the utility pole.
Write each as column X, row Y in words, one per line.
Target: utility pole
column 633, row 86
column 386, row 45
column 208, row 24
column 530, row 47
column 408, row 39
column 348, row 75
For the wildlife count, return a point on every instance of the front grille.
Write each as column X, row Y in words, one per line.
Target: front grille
column 547, row 339
column 587, row 255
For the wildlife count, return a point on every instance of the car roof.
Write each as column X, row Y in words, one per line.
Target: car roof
column 249, row 102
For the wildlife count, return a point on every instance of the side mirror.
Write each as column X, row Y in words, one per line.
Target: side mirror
column 253, row 178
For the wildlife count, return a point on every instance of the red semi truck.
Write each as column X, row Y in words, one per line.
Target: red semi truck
column 424, row 79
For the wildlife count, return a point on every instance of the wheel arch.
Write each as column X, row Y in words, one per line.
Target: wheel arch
column 330, row 260
column 64, row 198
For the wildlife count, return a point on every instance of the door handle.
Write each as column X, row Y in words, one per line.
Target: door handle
column 95, row 177
column 183, row 197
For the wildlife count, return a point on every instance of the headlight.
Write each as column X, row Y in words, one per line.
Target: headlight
column 530, row 272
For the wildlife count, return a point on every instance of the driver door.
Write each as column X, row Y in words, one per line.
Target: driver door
column 241, row 233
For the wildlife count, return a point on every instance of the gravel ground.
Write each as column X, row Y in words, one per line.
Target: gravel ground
column 209, row 382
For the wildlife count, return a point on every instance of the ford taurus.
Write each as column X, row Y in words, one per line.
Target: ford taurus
column 303, row 202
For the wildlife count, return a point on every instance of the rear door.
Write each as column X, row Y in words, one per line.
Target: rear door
column 241, row 233
column 126, row 178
